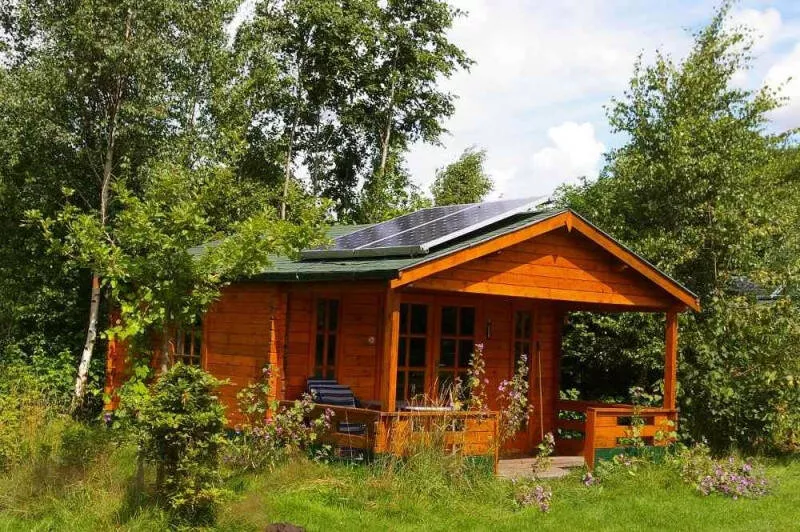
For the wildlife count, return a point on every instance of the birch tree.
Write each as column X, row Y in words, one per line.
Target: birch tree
column 124, row 72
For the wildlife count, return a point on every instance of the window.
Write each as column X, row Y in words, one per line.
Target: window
column 326, row 338
column 412, row 351
column 523, row 332
column 456, row 345
column 186, row 346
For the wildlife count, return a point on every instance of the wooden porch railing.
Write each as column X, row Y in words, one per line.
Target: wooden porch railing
column 351, row 416
column 607, row 426
column 399, row 433
column 467, row 433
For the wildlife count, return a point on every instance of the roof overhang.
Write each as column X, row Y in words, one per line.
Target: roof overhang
column 572, row 222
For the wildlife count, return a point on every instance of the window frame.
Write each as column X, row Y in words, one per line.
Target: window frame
column 328, row 370
column 196, row 350
column 458, row 368
column 404, row 359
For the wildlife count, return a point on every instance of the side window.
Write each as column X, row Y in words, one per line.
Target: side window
column 186, row 345
column 327, row 336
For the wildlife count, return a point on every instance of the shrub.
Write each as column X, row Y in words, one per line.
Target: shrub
column 26, row 412
column 731, row 476
column 179, row 428
column 477, row 381
column 513, row 401
column 543, row 459
column 270, row 432
column 528, row 494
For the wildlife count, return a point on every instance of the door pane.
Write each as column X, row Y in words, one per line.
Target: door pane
column 331, row 350
column 419, row 319
column 449, row 321
column 401, row 385
column 333, row 314
column 467, row 323
column 416, row 354
column 321, row 309
column 402, row 352
column 319, row 358
column 465, row 349
column 416, row 383
column 447, row 354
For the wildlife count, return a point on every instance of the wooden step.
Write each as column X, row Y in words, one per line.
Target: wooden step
column 523, row 467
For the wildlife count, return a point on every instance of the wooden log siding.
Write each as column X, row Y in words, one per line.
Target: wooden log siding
column 243, row 331
column 559, row 265
column 357, row 356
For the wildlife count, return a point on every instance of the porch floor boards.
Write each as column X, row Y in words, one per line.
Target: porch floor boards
column 523, row 467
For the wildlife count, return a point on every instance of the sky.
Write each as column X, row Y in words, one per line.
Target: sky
column 545, row 69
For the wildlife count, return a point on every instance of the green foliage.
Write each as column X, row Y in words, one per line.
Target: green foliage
column 179, row 428
column 463, row 181
column 26, row 410
column 271, row 432
column 390, row 195
column 91, row 93
column 338, row 88
column 730, row 476
column 706, row 193
column 513, row 401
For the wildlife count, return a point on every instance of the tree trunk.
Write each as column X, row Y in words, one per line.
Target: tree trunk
column 91, row 336
column 108, row 167
column 164, row 362
column 287, row 170
column 386, row 137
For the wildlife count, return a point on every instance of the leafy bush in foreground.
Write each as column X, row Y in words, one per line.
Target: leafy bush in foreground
column 179, row 428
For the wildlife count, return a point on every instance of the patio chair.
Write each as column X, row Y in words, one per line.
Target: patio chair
column 330, row 392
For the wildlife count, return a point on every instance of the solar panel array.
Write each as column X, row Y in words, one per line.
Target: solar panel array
column 418, row 232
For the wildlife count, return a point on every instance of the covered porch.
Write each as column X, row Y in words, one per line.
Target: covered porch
column 399, row 331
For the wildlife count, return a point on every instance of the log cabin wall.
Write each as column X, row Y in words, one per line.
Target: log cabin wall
column 242, row 332
column 358, row 336
column 499, row 350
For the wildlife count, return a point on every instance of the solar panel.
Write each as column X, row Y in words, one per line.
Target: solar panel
column 418, row 232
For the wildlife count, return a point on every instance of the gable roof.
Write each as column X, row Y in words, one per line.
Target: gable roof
column 400, row 271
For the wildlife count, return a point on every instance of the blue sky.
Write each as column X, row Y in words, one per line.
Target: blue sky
column 545, row 69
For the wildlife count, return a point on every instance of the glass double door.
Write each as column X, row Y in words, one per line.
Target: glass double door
column 435, row 346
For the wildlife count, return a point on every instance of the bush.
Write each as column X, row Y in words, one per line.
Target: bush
column 26, row 410
column 730, row 476
column 270, row 432
column 179, row 427
column 531, row 494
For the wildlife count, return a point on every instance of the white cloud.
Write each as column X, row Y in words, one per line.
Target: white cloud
column 539, row 64
column 766, row 25
column 575, row 152
column 785, row 74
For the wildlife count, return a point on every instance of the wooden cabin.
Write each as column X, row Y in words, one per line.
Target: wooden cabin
column 395, row 326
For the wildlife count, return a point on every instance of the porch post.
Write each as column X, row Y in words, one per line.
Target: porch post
column 671, row 360
column 391, row 332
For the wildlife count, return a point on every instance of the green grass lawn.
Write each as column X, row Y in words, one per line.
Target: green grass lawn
column 340, row 497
